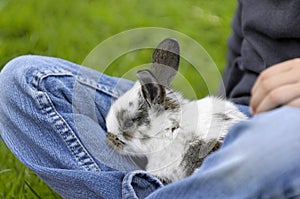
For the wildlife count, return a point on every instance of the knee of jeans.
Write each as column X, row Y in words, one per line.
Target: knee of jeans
column 15, row 79
column 18, row 66
column 17, row 72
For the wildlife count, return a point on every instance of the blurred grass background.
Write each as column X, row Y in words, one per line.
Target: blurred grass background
column 70, row 29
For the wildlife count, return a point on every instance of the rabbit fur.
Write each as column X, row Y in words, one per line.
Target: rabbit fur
column 152, row 120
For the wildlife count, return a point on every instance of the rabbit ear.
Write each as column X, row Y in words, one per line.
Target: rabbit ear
column 153, row 92
column 165, row 61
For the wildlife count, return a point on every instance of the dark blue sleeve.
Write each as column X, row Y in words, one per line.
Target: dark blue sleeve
column 264, row 33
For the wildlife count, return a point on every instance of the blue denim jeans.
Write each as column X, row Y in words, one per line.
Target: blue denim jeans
column 52, row 117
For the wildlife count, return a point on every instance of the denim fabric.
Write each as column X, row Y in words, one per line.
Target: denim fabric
column 59, row 135
column 52, row 117
column 244, row 109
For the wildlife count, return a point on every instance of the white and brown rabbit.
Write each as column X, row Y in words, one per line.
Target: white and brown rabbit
column 152, row 120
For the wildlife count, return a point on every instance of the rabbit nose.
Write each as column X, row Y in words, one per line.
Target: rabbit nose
column 114, row 139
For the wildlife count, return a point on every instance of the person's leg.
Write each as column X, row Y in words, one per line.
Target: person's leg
column 259, row 159
column 52, row 117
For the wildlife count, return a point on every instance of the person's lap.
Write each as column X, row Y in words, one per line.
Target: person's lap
column 52, row 117
column 258, row 159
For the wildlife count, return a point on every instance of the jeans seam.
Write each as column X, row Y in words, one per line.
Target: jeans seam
column 80, row 153
column 39, row 75
column 125, row 183
column 93, row 84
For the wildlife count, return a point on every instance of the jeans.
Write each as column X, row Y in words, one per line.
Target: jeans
column 52, row 117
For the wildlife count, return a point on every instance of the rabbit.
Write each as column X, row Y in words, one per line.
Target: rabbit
column 154, row 121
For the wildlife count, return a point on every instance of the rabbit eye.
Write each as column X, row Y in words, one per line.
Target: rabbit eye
column 139, row 118
column 128, row 123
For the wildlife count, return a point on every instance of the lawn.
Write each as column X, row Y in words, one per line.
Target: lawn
column 71, row 29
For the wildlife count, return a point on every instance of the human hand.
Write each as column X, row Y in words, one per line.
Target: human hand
column 276, row 86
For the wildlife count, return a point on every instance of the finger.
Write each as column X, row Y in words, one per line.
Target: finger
column 285, row 65
column 269, row 74
column 268, row 85
column 256, row 98
column 280, row 96
column 276, row 69
column 295, row 103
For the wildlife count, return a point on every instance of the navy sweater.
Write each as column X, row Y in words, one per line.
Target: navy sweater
column 265, row 32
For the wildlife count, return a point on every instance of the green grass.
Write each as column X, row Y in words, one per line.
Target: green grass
column 70, row 29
